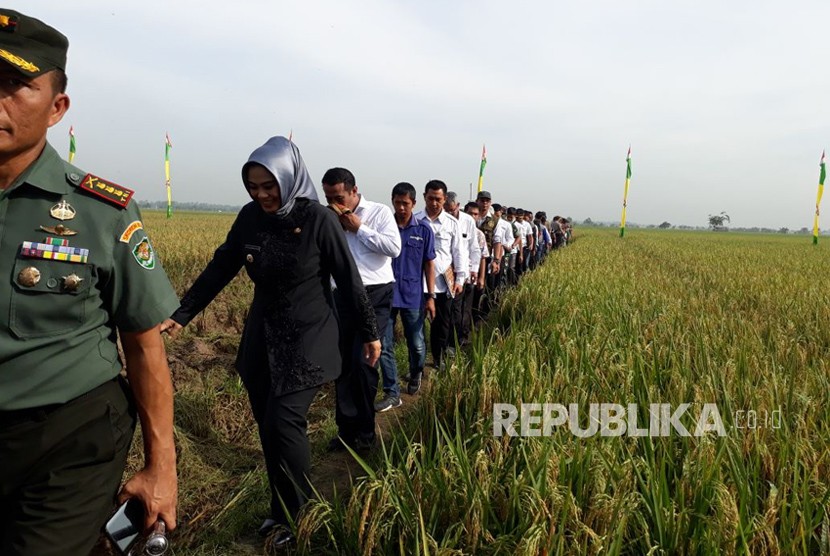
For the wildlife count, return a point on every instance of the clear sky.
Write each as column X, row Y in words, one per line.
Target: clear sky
column 725, row 104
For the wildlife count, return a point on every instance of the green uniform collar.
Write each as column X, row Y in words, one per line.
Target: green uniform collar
column 48, row 172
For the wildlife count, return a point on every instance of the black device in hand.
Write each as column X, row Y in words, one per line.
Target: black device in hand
column 126, row 525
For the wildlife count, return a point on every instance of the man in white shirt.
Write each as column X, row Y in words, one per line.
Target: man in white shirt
column 527, row 243
column 477, row 314
column 449, row 254
column 374, row 241
column 462, row 309
column 511, row 235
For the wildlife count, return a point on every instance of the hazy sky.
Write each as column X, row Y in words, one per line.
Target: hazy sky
column 725, row 104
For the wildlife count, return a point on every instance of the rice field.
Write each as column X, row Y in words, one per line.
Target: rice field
column 740, row 322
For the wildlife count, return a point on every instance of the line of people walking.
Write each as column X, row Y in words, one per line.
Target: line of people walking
column 328, row 286
column 452, row 267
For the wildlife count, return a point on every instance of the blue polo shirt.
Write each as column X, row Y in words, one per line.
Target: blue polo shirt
column 417, row 247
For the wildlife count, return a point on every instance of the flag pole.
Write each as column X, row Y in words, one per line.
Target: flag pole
column 481, row 167
column 71, row 144
column 821, row 176
column 625, row 193
column 167, row 146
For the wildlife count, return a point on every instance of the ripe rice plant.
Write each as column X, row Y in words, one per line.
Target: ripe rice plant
column 739, row 321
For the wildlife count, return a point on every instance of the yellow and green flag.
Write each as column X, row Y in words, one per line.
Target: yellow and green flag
column 625, row 193
column 481, row 167
column 821, row 175
column 71, row 144
column 167, row 146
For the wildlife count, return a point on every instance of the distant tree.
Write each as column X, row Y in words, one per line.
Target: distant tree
column 716, row 221
column 784, row 231
column 664, row 226
column 587, row 222
column 804, row 230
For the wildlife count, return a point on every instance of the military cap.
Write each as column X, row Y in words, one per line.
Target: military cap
column 484, row 195
column 29, row 45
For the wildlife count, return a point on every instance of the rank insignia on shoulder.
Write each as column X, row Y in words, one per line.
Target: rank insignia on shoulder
column 115, row 194
column 144, row 254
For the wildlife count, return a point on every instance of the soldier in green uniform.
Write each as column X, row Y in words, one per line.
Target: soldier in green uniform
column 77, row 268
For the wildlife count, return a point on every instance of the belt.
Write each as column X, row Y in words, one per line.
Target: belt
column 40, row 413
column 374, row 287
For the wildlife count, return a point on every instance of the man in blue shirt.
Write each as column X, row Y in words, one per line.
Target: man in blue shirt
column 411, row 268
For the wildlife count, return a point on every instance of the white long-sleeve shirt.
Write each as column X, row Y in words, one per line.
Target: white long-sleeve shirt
column 468, row 227
column 376, row 242
column 449, row 249
column 504, row 234
column 525, row 229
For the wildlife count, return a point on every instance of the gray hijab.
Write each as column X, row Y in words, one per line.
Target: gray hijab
column 282, row 158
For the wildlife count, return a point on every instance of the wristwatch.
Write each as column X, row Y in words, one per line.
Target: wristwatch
column 432, row 295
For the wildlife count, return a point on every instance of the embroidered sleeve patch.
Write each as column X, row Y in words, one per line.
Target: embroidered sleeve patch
column 144, row 254
column 115, row 194
column 131, row 229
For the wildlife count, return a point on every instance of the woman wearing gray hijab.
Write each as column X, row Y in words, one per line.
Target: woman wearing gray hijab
column 291, row 246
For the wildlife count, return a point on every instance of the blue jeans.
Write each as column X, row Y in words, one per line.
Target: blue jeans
column 413, row 329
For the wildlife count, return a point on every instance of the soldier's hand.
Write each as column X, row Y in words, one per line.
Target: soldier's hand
column 457, row 289
column 371, row 352
column 171, row 328
column 157, row 488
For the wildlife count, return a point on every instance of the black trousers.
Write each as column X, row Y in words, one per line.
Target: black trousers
column 440, row 331
column 282, row 431
column 492, row 282
column 60, row 468
column 357, row 386
column 462, row 315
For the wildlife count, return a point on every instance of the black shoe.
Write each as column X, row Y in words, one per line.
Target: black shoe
column 266, row 527
column 364, row 443
column 359, row 444
column 414, row 384
column 281, row 539
column 337, row 444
